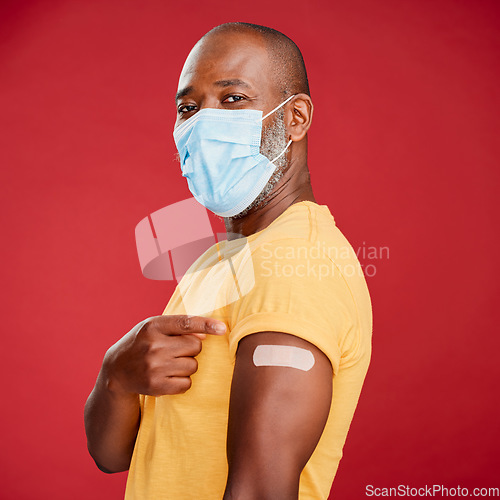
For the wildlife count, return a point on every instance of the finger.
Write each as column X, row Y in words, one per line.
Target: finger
column 184, row 345
column 174, row 385
column 182, row 367
column 201, row 336
column 183, row 324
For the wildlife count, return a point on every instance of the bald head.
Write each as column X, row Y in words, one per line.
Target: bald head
column 286, row 62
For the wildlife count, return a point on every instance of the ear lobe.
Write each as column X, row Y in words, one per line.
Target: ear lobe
column 302, row 110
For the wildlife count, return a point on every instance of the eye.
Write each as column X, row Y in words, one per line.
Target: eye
column 186, row 108
column 233, row 98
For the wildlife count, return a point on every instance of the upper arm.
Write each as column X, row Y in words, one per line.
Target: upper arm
column 276, row 417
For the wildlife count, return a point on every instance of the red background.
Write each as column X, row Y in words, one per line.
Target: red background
column 404, row 150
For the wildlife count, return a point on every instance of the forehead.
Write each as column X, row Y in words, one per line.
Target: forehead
column 228, row 56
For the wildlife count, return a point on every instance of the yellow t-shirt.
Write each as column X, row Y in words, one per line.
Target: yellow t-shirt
column 298, row 276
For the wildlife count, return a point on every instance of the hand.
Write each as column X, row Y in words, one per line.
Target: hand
column 157, row 357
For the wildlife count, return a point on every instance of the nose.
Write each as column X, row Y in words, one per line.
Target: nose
column 210, row 101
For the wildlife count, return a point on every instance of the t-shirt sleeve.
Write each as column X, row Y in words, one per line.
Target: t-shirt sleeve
column 291, row 287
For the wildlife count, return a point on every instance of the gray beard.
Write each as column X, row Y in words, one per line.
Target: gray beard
column 274, row 141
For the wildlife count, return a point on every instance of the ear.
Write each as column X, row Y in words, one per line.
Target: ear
column 298, row 116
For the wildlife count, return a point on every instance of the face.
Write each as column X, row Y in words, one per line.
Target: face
column 233, row 71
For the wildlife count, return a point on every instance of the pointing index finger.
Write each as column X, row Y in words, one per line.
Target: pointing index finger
column 188, row 324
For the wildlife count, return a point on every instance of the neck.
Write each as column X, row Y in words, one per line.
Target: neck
column 294, row 186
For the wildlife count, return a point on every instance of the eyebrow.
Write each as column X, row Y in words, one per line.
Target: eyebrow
column 219, row 83
column 183, row 92
column 232, row 83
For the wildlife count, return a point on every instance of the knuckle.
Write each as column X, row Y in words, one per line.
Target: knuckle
column 174, row 385
column 149, row 357
column 148, row 326
column 194, row 365
column 196, row 346
column 152, row 348
column 184, row 384
column 184, row 323
column 194, row 343
column 151, row 322
column 189, row 345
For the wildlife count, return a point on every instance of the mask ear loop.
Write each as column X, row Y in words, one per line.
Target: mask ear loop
column 270, row 113
column 283, row 152
column 277, row 107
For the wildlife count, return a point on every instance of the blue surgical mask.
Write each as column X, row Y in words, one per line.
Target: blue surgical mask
column 220, row 157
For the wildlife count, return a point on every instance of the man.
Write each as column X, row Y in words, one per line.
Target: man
column 246, row 386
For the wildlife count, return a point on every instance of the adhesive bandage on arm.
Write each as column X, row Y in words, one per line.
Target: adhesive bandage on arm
column 283, row 355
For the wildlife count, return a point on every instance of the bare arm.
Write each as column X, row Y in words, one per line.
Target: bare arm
column 111, row 423
column 276, row 417
column 157, row 357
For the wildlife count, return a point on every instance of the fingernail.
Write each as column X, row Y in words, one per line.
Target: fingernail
column 220, row 327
